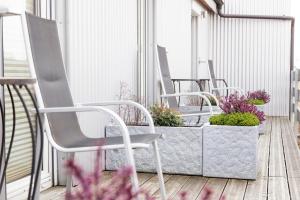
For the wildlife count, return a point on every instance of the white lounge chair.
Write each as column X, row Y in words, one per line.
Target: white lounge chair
column 168, row 91
column 214, row 85
column 62, row 127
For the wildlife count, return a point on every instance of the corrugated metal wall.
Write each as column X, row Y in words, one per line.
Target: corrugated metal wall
column 254, row 54
column 174, row 32
column 102, row 51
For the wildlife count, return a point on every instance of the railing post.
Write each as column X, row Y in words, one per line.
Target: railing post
column 296, row 95
column 3, row 189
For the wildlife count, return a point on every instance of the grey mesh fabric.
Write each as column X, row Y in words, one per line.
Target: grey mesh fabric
column 213, row 77
column 166, row 76
column 54, row 88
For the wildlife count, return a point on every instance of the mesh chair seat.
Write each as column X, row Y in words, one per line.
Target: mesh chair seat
column 187, row 110
column 116, row 140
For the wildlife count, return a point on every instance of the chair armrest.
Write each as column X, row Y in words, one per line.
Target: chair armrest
column 223, row 80
column 123, row 127
column 125, row 102
column 240, row 91
column 199, row 94
column 189, row 80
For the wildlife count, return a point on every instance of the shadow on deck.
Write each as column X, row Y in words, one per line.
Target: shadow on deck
column 278, row 173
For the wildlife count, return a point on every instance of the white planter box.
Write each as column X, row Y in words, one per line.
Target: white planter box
column 230, row 151
column 180, row 150
column 262, row 127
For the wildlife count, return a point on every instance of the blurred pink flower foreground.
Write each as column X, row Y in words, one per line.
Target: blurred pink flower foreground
column 91, row 186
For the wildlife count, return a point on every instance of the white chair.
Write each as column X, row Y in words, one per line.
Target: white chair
column 214, row 85
column 168, row 91
column 62, row 127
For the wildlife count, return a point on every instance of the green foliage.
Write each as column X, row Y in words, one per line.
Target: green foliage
column 163, row 116
column 235, row 119
column 256, row 102
column 212, row 101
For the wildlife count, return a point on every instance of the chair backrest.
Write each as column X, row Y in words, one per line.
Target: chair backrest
column 52, row 80
column 166, row 81
column 213, row 77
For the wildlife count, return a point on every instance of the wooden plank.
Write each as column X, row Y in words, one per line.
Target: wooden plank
column 294, row 184
column 263, row 151
column 291, row 149
column 173, row 186
column 278, row 189
column 152, row 185
column 257, row 190
column 235, row 189
column 292, row 158
column 193, row 187
column 54, row 193
column 277, row 166
column 217, row 186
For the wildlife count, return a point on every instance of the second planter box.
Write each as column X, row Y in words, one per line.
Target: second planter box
column 230, row 151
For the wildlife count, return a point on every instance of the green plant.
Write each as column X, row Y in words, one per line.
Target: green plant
column 164, row 116
column 259, row 94
column 256, row 102
column 198, row 101
column 235, row 119
column 212, row 101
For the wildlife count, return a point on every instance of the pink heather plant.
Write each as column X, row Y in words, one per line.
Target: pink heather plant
column 259, row 95
column 235, row 103
column 91, row 186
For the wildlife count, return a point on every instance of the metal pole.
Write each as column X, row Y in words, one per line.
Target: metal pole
column 2, row 161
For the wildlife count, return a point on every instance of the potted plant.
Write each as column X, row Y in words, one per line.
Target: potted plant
column 259, row 98
column 180, row 146
column 230, row 140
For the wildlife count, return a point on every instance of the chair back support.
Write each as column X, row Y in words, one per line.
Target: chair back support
column 213, row 77
column 166, row 81
column 52, row 80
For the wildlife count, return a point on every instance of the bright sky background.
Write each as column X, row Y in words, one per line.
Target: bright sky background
column 296, row 13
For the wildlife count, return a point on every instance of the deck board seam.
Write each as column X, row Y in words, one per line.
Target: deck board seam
column 284, row 152
column 222, row 193
column 244, row 196
column 269, row 155
column 198, row 196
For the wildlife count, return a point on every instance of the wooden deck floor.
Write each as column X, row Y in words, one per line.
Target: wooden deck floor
column 278, row 173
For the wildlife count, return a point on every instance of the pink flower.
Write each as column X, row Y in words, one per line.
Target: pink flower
column 119, row 188
column 260, row 95
column 235, row 103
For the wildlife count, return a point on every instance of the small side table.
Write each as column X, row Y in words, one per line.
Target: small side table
column 17, row 84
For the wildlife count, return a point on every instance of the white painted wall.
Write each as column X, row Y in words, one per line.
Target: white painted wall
column 295, row 12
column 203, row 44
column 174, row 32
column 102, row 51
column 254, row 54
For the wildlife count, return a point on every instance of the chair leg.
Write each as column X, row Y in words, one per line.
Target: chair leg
column 69, row 176
column 159, row 171
column 131, row 162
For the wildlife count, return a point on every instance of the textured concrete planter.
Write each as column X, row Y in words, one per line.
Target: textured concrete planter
column 230, row 151
column 180, row 150
column 262, row 127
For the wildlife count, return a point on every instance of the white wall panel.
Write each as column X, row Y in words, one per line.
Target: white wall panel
column 102, row 51
column 254, row 54
column 174, row 32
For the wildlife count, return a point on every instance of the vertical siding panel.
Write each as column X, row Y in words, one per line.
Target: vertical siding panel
column 254, row 54
column 102, row 47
